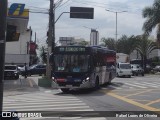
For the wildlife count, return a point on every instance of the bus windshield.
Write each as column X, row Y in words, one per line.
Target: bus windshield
column 71, row 63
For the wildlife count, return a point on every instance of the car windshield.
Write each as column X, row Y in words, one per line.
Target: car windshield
column 71, row 63
column 125, row 66
column 10, row 67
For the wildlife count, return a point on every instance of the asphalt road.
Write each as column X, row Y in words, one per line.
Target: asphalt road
column 124, row 94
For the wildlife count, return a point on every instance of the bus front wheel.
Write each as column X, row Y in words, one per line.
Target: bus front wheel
column 65, row 90
column 97, row 84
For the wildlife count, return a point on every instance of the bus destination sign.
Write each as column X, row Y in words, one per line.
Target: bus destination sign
column 72, row 49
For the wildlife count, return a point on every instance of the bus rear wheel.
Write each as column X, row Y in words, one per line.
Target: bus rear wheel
column 110, row 78
column 65, row 90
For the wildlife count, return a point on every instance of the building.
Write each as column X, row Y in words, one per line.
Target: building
column 66, row 41
column 94, row 37
column 19, row 51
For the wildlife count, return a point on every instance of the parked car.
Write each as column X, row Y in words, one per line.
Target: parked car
column 11, row 72
column 157, row 68
column 37, row 69
column 148, row 68
column 137, row 70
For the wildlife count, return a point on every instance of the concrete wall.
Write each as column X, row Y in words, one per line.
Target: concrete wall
column 17, row 52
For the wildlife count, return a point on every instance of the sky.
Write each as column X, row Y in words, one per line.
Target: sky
column 128, row 23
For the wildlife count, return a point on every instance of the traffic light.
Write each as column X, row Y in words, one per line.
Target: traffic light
column 12, row 35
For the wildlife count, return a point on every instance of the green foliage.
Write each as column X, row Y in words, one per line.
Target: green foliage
column 84, row 43
column 123, row 45
column 152, row 18
column 145, row 46
column 126, row 44
column 110, row 43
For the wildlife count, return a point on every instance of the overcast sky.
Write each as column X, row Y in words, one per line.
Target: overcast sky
column 129, row 23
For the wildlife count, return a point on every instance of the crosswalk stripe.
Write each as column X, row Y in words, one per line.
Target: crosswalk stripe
column 152, row 85
column 42, row 105
column 72, row 108
column 144, row 84
column 157, row 83
column 26, row 99
column 135, row 85
column 40, row 102
column 115, row 87
column 44, row 102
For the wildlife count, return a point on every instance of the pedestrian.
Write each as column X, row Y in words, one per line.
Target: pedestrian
column 25, row 70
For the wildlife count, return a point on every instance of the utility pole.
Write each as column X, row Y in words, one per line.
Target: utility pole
column 51, row 35
column 3, row 14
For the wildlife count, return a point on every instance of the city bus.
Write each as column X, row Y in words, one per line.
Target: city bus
column 82, row 67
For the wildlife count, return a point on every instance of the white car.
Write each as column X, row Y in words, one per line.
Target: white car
column 124, row 69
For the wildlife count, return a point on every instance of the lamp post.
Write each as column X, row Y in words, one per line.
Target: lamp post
column 116, row 12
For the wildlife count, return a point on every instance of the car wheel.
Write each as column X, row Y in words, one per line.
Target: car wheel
column 97, row 84
column 29, row 74
column 142, row 74
column 110, row 78
column 17, row 77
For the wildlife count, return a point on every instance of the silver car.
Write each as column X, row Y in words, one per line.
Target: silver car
column 137, row 69
column 157, row 68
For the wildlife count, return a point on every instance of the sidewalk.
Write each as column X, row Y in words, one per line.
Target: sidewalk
column 20, row 86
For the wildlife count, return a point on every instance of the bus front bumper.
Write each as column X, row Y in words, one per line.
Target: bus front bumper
column 83, row 85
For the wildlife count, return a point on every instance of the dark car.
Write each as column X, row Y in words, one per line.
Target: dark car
column 37, row 69
column 137, row 70
column 11, row 72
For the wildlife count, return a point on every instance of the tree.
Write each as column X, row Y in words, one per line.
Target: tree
column 110, row 43
column 43, row 54
column 145, row 46
column 153, row 18
column 123, row 45
column 83, row 43
column 126, row 44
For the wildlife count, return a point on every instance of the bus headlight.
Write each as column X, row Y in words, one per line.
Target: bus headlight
column 53, row 78
column 87, row 79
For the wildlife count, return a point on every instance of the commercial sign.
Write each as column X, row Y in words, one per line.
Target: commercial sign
column 17, row 10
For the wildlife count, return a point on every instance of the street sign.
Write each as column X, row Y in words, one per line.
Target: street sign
column 82, row 12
